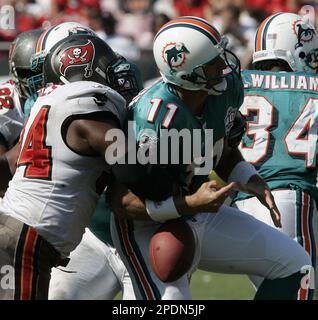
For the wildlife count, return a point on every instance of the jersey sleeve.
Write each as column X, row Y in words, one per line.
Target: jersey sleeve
column 11, row 115
column 92, row 97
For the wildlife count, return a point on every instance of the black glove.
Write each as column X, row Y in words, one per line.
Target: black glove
column 237, row 131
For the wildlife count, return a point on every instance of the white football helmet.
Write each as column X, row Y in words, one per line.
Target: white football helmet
column 183, row 46
column 288, row 37
column 48, row 39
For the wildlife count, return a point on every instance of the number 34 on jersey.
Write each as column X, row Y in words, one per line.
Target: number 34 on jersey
column 282, row 127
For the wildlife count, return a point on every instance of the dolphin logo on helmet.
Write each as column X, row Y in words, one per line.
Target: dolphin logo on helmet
column 304, row 32
column 175, row 54
column 288, row 37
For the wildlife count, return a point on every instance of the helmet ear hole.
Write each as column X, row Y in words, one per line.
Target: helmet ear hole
column 182, row 75
column 302, row 55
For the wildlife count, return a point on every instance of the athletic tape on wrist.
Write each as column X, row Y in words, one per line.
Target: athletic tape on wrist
column 162, row 210
column 242, row 172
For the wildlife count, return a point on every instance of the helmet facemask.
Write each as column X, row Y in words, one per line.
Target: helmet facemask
column 123, row 79
column 216, row 85
column 28, row 82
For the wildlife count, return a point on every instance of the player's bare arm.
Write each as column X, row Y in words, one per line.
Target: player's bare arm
column 86, row 134
column 3, row 148
column 5, row 175
column 208, row 198
column 8, row 162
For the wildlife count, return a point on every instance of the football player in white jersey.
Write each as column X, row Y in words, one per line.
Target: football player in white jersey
column 54, row 190
column 14, row 92
column 95, row 261
column 95, row 270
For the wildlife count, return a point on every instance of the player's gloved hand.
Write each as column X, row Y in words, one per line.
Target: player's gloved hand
column 237, row 131
column 209, row 197
column 259, row 188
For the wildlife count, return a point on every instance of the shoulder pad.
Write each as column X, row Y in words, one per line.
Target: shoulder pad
column 84, row 94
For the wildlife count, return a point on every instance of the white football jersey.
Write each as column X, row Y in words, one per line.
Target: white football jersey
column 11, row 113
column 54, row 188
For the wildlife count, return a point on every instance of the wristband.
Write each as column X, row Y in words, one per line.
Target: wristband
column 242, row 172
column 161, row 211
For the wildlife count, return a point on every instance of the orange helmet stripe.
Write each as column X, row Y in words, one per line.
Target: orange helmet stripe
column 195, row 22
column 260, row 43
column 259, row 35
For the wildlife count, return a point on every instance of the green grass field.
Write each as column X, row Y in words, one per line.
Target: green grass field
column 216, row 286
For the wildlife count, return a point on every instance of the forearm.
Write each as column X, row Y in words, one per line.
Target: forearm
column 8, row 163
column 3, row 149
column 3, row 145
column 12, row 157
column 229, row 159
column 5, row 174
column 127, row 205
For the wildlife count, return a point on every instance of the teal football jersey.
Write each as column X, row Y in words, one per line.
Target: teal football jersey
column 281, row 138
column 100, row 222
column 159, row 107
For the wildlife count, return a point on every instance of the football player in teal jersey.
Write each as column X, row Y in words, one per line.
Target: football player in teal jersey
column 281, row 108
column 200, row 89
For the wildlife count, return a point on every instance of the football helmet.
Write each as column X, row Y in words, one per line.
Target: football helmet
column 287, row 37
column 48, row 39
column 184, row 46
column 87, row 57
column 21, row 51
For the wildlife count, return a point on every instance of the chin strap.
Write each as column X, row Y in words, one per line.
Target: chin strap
column 63, row 79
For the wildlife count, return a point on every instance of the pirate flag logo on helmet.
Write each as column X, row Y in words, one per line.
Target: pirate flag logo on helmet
column 80, row 55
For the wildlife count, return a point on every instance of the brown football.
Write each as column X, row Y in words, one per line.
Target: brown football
column 171, row 250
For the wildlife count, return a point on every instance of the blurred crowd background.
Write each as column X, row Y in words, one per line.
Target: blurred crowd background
column 128, row 26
